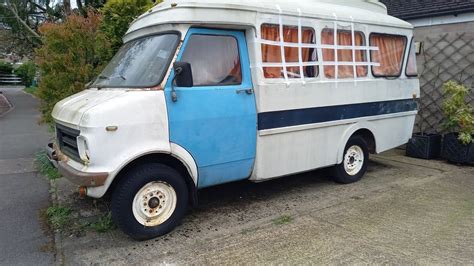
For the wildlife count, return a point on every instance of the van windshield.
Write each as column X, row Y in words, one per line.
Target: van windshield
column 139, row 63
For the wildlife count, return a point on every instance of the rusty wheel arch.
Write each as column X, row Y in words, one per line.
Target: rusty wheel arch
column 162, row 158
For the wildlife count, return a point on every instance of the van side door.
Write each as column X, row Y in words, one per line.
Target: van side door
column 215, row 120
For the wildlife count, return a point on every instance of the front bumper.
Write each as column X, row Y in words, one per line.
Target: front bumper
column 75, row 176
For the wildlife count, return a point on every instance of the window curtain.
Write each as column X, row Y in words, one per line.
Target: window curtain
column 272, row 53
column 412, row 69
column 343, row 38
column 390, row 54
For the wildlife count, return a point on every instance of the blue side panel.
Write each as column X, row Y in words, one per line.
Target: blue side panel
column 216, row 125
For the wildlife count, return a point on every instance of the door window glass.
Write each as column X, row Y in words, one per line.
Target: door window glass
column 214, row 60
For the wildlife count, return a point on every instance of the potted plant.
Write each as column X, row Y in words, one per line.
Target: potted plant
column 458, row 145
column 424, row 145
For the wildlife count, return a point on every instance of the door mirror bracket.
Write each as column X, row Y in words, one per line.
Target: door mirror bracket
column 183, row 77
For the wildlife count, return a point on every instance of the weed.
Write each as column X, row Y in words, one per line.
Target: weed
column 58, row 216
column 45, row 167
column 31, row 90
column 284, row 219
column 104, row 224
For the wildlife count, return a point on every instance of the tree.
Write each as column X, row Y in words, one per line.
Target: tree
column 73, row 53
column 118, row 14
column 23, row 18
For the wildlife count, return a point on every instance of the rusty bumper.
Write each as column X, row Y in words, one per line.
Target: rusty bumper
column 75, row 176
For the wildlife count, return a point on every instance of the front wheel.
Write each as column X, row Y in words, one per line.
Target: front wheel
column 150, row 201
column 354, row 163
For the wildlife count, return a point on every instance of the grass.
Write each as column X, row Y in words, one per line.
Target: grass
column 104, row 224
column 58, row 216
column 31, row 90
column 45, row 167
column 284, row 219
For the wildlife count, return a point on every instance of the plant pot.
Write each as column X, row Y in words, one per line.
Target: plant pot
column 426, row 146
column 456, row 152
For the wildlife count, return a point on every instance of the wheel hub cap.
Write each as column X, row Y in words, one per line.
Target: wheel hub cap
column 353, row 160
column 154, row 203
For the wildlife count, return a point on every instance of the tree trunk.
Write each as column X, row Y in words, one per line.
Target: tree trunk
column 67, row 7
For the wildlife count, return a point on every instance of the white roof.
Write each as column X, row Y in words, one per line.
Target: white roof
column 243, row 12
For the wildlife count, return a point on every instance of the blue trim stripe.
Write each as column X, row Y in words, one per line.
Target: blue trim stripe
column 287, row 118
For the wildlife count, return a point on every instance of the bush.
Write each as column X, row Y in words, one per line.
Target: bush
column 118, row 14
column 6, row 67
column 458, row 113
column 72, row 54
column 27, row 73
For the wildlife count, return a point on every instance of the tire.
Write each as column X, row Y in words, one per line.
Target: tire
column 352, row 170
column 149, row 201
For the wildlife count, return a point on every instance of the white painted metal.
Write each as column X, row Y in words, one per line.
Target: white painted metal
column 353, row 160
column 141, row 115
column 142, row 121
column 154, row 203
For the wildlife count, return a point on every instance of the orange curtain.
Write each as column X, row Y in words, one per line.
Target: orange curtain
column 272, row 53
column 343, row 38
column 390, row 54
column 411, row 65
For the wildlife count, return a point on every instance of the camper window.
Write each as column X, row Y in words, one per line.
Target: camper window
column 215, row 60
column 390, row 54
column 412, row 70
column 344, row 38
column 272, row 53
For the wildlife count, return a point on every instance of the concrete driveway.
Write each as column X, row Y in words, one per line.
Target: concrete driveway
column 23, row 193
column 405, row 211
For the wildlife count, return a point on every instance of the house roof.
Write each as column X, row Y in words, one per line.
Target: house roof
column 413, row 9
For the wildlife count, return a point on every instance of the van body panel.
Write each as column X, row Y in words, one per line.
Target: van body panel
column 216, row 124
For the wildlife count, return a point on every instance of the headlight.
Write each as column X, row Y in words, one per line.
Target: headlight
column 83, row 149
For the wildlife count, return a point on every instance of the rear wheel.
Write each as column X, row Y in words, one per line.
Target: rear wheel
column 354, row 162
column 150, row 201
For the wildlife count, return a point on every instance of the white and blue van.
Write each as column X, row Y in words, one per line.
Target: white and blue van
column 208, row 92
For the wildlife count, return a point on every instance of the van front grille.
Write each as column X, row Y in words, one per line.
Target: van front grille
column 67, row 141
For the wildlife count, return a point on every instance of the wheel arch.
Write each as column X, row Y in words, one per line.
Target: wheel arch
column 170, row 159
column 364, row 130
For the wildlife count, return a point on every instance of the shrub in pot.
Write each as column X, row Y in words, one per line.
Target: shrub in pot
column 458, row 145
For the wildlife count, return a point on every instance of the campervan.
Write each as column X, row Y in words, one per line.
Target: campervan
column 209, row 92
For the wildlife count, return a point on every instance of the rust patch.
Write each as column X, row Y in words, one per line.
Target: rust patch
column 82, row 178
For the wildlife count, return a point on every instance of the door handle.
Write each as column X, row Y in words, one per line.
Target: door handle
column 248, row 91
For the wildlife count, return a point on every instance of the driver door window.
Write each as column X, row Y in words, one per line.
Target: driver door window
column 215, row 60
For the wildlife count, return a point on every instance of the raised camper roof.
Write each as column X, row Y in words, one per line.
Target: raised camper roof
column 245, row 12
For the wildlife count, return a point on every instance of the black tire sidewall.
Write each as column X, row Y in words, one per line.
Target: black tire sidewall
column 341, row 176
column 124, row 194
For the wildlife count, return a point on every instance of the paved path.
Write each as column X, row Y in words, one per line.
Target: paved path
column 405, row 211
column 22, row 192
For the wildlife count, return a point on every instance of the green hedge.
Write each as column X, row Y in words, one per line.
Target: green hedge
column 6, row 67
column 27, row 73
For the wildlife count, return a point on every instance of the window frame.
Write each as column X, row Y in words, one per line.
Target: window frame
column 215, row 35
column 165, row 72
column 364, row 38
column 313, row 29
column 408, row 59
column 401, row 62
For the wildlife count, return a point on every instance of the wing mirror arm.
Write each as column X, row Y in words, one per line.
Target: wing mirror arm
column 183, row 77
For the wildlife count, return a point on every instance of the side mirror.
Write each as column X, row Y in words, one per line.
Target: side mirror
column 183, row 74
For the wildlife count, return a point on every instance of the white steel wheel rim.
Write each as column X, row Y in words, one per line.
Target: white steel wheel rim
column 154, row 203
column 353, row 160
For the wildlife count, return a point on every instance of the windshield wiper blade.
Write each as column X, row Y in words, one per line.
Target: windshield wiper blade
column 102, row 77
